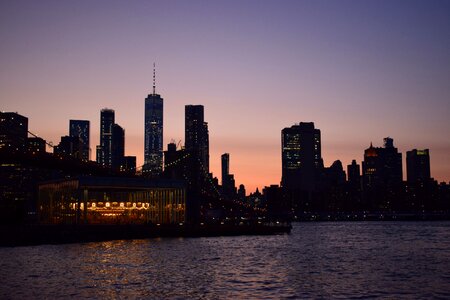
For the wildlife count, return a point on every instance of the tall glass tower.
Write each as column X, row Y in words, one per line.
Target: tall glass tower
column 80, row 129
column 104, row 150
column 153, row 146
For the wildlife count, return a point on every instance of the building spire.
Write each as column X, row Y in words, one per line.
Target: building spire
column 154, row 79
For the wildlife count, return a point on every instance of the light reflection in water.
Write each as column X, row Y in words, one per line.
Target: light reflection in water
column 372, row 259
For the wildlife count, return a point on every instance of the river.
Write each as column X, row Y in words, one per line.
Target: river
column 317, row 260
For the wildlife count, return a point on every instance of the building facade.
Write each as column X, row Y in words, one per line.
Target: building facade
column 153, row 141
column 418, row 166
column 13, row 132
column 301, row 156
column 104, row 150
column 197, row 135
column 106, row 200
column 80, row 129
column 118, row 147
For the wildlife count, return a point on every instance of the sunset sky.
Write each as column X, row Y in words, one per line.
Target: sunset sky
column 360, row 70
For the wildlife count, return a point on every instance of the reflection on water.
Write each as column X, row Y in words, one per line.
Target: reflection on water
column 329, row 260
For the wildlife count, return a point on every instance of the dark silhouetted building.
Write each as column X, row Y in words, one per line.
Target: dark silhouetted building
column 153, row 147
column 196, row 135
column 179, row 164
column 228, row 182
column 225, row 166
column 382, row 176
column 13, row 132
column 129, row 164
column 118, row 146
column 418, row 166
column 36, row 145
column 104, row 150
column 241, row 192
column 80, row 129
column 69, row 147
column 301, row 162
column 382, row 166
column 354, row 173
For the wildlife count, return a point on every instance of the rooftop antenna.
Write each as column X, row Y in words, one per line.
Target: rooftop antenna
column 154, row 79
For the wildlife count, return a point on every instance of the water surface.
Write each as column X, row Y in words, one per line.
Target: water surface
column 317, row 260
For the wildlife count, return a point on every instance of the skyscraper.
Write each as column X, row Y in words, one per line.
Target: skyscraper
column 118, row 146
column 301, row 156
column 80, row 129
column 104, row 150
column 196, row 135
column 225, row 167
column 228, row 183
column 382, row 166
column 153, row 143
column 418, row 166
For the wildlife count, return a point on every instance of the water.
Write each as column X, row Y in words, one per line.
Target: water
column 317, row 260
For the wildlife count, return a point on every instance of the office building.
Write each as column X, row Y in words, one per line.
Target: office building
column 197, row 135
column 118, row 146
column 69, row 147
column 104, row 150
column 418, row 166
column 382, row 167
column 35, row 145
column 13, row 132
column 153, row 141
column 228, row 182
column 80, row 129
column 354, row 173
column 301, row 156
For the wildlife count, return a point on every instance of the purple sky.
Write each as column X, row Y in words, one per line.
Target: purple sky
column 360, row 70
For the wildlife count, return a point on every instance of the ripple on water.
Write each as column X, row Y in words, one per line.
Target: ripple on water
column 318, row 260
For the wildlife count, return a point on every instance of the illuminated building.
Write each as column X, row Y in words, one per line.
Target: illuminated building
column 153, row 140
column 112, row 200
column 301, row 156
column 13, row 132
column 196, row 135
column 418, row 166
column 104, row 150
column 80, row 129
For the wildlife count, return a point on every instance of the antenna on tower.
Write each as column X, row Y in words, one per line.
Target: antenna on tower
column 154, row 79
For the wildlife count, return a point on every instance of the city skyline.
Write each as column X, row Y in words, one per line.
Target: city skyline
column 379, row 70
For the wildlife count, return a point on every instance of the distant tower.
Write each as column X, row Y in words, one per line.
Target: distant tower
column 354, row 173
column 418, row 166
column 118, row 146
column 153, row 146
column 104, row 150
column 225, row 167
column 196, row 134
column 80, row 129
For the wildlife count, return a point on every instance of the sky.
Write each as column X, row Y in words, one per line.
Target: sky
column 360, row 70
